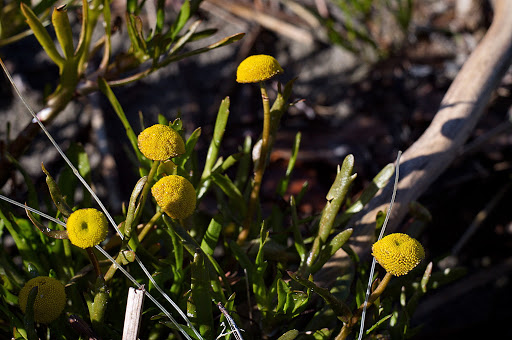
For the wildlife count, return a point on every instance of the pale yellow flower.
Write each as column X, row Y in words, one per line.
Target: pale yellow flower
column 50, row 299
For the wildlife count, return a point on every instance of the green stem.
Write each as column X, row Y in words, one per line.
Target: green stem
column 147, row 228
column 113, row 268
column 347, row 327
column 94, row 261
column 145, row 191
column 260, row 167
column 91, row 13
column 132, row 207
column 99, row 306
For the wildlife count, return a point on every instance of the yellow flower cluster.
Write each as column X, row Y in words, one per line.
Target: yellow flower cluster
column 398, row 253
column 50, row 299
column 87, row 227
column 160, row 142
column 175, row 195
column 257, row 68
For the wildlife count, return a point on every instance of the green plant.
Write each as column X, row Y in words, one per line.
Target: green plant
column 262, row 282
column 79, row 75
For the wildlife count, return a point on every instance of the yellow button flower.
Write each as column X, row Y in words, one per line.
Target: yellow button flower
column 398, row 253
column 87, row 227
column 175, row 195
column 50, row 299
column 160, row 142
column 257, row 68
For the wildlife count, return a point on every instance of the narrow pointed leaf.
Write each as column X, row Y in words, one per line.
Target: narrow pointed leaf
column 332, row 247
column 283, row 183
column 189, row 147
column 211, row 237
column 22, row 243
column 336, row 196
column 231, row 191
column 369, row 192
column 201, row 297
column 42, row 35
column 181, row 20
column 107, row 91
column 220, row 43
column 340, row 308
column 58, row 234
column 218, row 133
column 184, row 39
column 297, row 236
column 68, row 182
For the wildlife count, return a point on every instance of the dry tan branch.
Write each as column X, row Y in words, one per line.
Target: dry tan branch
column 432, row 153
column 266, row 20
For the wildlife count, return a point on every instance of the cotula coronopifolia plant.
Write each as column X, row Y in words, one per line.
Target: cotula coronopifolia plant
column 166, row 239
column 206, row 267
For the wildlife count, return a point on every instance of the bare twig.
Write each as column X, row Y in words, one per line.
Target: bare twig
column 268, row 21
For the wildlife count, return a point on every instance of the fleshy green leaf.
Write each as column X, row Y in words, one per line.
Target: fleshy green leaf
column 42, row 35
column 377, row 183
column 63, row 31
column 332, row 247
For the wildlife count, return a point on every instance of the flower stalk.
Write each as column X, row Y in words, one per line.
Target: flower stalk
column 347, row 327
column 260, row 167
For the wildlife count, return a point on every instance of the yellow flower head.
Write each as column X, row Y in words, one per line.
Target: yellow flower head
column 257, row 68
column 160, row 142
column 175, row 195
column 50, row 298
column 398, row 253
column 87, row 227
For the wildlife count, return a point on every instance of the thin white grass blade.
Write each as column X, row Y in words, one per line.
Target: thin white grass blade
column 383, row 229
column 40, row 213
column 234, row 328
column 105, row 211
